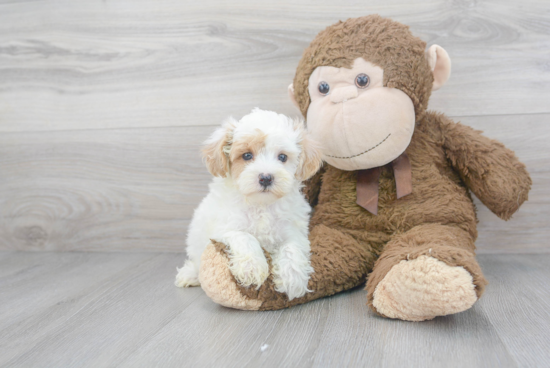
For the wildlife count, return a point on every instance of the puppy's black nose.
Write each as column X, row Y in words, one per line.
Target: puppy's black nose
column 266, row 180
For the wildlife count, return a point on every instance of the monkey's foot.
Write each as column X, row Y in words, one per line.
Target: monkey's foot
column 422, row 289
column 219, row 284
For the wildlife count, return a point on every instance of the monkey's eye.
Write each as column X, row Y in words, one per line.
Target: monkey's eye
column 247, row 156
column 283, row 157
column 362, row 80
column 323, row 88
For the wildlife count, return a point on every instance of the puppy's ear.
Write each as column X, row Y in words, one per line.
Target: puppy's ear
column 216, row 149
column 292, row 96
column 310, row 160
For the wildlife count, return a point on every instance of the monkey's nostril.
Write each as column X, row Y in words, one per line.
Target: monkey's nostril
column 266, row 180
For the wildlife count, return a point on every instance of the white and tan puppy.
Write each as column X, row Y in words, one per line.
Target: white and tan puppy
column 255, row 202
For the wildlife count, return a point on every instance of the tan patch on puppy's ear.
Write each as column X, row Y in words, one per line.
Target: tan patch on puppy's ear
column 440, row 63
column 217, row 147
column 310, row 160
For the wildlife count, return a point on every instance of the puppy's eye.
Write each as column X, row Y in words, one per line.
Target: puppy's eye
column 283, row 157
column 362, row 80
column 323, row 88
column 248, row 156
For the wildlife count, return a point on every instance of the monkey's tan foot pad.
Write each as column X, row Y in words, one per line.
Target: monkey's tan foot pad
column 218, row 282
column 422, row 289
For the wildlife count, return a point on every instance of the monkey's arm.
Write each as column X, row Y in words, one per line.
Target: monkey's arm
column 312, row 186
column 491, row 171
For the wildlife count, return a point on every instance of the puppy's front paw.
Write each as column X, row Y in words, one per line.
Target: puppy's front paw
column 249, row 269
column 292, row 280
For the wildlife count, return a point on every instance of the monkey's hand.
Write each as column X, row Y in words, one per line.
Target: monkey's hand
column 491, row 171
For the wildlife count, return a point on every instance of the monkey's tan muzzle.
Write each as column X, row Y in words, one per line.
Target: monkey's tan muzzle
column 343, row 94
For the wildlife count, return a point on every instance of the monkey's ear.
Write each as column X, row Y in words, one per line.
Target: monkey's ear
column 440, row 62
column 216, row 149
column 291, row 95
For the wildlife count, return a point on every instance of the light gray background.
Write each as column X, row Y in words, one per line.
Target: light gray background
column 103, row 105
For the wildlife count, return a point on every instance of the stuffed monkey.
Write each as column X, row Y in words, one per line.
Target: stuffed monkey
column 392, row 204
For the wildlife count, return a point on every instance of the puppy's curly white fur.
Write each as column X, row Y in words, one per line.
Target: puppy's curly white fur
column 255, row 202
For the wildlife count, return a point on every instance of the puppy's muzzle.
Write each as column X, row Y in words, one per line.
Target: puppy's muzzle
column 266, row 180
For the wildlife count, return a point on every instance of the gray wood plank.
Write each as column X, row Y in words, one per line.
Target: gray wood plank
column 232, row 338
column 92, row 65
column 44, row 280
column 136, row 318
column 14, row 262
column 101, row 319
column 136, row 189
column 527, row 135
column 518, row 305
column 100, row 190
column 355, row 337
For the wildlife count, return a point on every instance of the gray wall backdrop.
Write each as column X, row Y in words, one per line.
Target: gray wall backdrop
column 103, row 105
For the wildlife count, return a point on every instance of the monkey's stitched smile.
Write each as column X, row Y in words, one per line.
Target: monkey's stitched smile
column 359, row 154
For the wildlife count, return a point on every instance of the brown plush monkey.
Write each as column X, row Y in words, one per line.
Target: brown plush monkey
column 393, row 201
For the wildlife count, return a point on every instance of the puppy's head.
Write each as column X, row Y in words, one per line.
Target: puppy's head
column 266, row 154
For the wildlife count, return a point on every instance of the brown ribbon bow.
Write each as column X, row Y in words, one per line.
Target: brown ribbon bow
column 367, row 183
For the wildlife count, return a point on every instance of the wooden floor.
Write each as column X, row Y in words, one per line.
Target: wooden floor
column 122, row 310
column 103, row 105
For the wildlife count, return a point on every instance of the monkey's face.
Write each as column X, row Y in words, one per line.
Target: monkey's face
column 359, row 123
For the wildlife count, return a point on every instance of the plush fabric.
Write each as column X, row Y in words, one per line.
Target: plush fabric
column 423, row 288
column 361, row 130
column 219, row 284
column 418, row 253
column 401, row 57
column 440, row 63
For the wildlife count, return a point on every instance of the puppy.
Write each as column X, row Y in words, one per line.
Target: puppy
column 255, row 202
